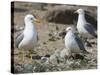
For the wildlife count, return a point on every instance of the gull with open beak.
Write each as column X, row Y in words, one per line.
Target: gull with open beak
column 28, row 38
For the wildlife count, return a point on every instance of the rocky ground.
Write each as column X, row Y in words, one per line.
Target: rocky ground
column 54, row 19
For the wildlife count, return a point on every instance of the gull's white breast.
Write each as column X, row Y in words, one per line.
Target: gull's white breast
column 71, row 44
column 29, row 40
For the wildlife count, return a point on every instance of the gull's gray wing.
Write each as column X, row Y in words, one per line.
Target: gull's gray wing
column 90, row 29
column 18, row 39
column 80, row 43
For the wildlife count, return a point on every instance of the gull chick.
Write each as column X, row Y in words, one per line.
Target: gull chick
column 28, row 38
column 85, row 29
column 73, row 43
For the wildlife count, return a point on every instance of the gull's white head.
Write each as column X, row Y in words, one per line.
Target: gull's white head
column 30, row 18
column 80, row 11
column 71, row 29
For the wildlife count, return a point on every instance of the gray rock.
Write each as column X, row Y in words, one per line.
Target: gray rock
column 18, row 68
column 28, row 68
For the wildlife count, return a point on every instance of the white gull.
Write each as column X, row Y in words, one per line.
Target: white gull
column 73, row 43
column 28, row 38
column 85, row 29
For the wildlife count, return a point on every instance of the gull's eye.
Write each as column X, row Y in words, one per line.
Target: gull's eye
column 31, row 18
column 69, row 29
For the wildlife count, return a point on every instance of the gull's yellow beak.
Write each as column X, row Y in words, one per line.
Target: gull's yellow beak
column 37, row 21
